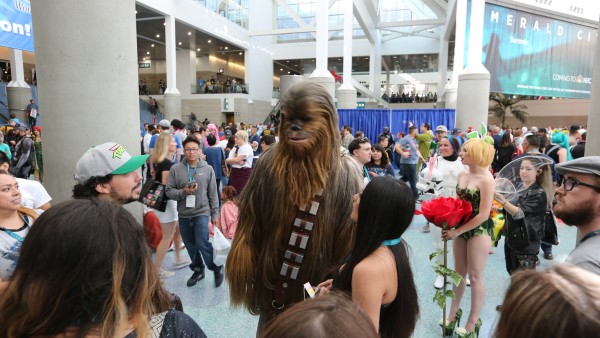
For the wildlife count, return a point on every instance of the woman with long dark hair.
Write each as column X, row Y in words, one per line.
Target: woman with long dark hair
column 15, row 224
column 380, row 163
column 377, row 273
column 85, row 270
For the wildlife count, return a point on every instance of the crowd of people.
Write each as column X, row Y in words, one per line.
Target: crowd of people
column 85, row 267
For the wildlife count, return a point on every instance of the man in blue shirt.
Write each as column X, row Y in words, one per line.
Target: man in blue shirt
column 408, row 150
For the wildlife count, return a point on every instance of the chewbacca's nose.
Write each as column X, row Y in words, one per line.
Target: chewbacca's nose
column 296, row 127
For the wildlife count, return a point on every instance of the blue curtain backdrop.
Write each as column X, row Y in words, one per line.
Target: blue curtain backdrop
column 435, row 117
column 372, row 121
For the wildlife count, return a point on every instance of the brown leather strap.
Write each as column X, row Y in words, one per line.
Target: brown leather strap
column 294, row 254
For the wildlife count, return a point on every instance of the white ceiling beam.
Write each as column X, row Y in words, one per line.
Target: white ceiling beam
column 297, row 19
column 450, row 23
column 390, row 37
column 297, row 30
column 313, row 22
column 404, row 23
column 436, row 8
column 366, row 15
column 151, row 18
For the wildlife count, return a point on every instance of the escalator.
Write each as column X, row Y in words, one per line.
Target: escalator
column 274, row 116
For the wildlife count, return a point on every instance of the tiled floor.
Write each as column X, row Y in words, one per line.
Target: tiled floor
column 211, row 310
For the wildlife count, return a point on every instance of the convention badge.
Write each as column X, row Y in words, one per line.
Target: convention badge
column 190, row 201
column 309, row 290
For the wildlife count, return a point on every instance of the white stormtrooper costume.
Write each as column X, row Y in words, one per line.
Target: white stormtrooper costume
column 439, row 182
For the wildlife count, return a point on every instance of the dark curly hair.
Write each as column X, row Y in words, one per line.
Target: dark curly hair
column 88, row 188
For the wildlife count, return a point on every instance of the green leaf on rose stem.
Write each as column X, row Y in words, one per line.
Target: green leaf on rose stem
column 439, row 299
column 455, row 277
column 438, row 269
column 450, row 294
column 435, row 254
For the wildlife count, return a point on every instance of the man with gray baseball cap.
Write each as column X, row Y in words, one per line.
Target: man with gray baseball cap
column 109, row 171
column 578, row 204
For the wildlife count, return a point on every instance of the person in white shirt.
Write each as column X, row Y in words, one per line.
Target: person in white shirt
column 240, row 159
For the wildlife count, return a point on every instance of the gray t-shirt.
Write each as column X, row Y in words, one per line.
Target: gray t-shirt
column 587, row 255
column 10, row 247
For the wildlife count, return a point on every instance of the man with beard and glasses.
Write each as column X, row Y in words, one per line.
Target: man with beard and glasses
column 109, row 171
column 578, row 204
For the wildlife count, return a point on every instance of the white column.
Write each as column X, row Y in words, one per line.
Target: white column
column 459, row 54
column 375, row 65
column 321, row 74
column 346, row 92
column 258, row 58
column 473, row 93
column 442, row 70
column 186, row 70
column 18, row 91
column 88, row 82
column 16, row 69
column 592, row 147
column 172, row 94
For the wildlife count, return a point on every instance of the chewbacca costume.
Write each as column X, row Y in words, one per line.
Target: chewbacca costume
column 306, row 159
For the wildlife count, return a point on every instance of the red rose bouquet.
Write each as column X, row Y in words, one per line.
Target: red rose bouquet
column 446, row 213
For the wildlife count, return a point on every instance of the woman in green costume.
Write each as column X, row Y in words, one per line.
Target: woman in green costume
column 473, row 240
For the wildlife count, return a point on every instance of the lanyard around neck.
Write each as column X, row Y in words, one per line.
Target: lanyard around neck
column 191, row 176
column 590, row 235
column 14, row 235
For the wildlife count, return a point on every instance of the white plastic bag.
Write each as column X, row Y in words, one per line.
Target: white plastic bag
column 221, row 247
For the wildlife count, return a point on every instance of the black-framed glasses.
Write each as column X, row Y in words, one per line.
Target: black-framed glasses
column 362, row 140
column 568, row 184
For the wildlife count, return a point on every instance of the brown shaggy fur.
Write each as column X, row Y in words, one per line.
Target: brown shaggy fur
column 285, row 177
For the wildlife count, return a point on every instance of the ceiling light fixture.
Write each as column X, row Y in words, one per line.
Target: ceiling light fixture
column 226, row 48
column 198, row 49
column 189, row 33
column 179, row 43
column 152, row 45
column 241, row 53
column 209, row 41
column 164, row 23
column 147, row 53
column 158, row 35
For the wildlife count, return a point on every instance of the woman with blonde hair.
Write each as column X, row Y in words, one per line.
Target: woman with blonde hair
column 85, row 270
column 472, row 240
column 162, row 160
column 562, row 302
column 240, row 159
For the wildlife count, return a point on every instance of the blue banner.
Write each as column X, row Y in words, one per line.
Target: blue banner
column 531, row 54
column 15, row 24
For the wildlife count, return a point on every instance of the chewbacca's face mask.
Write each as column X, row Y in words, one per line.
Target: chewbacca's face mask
column 303, row 129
